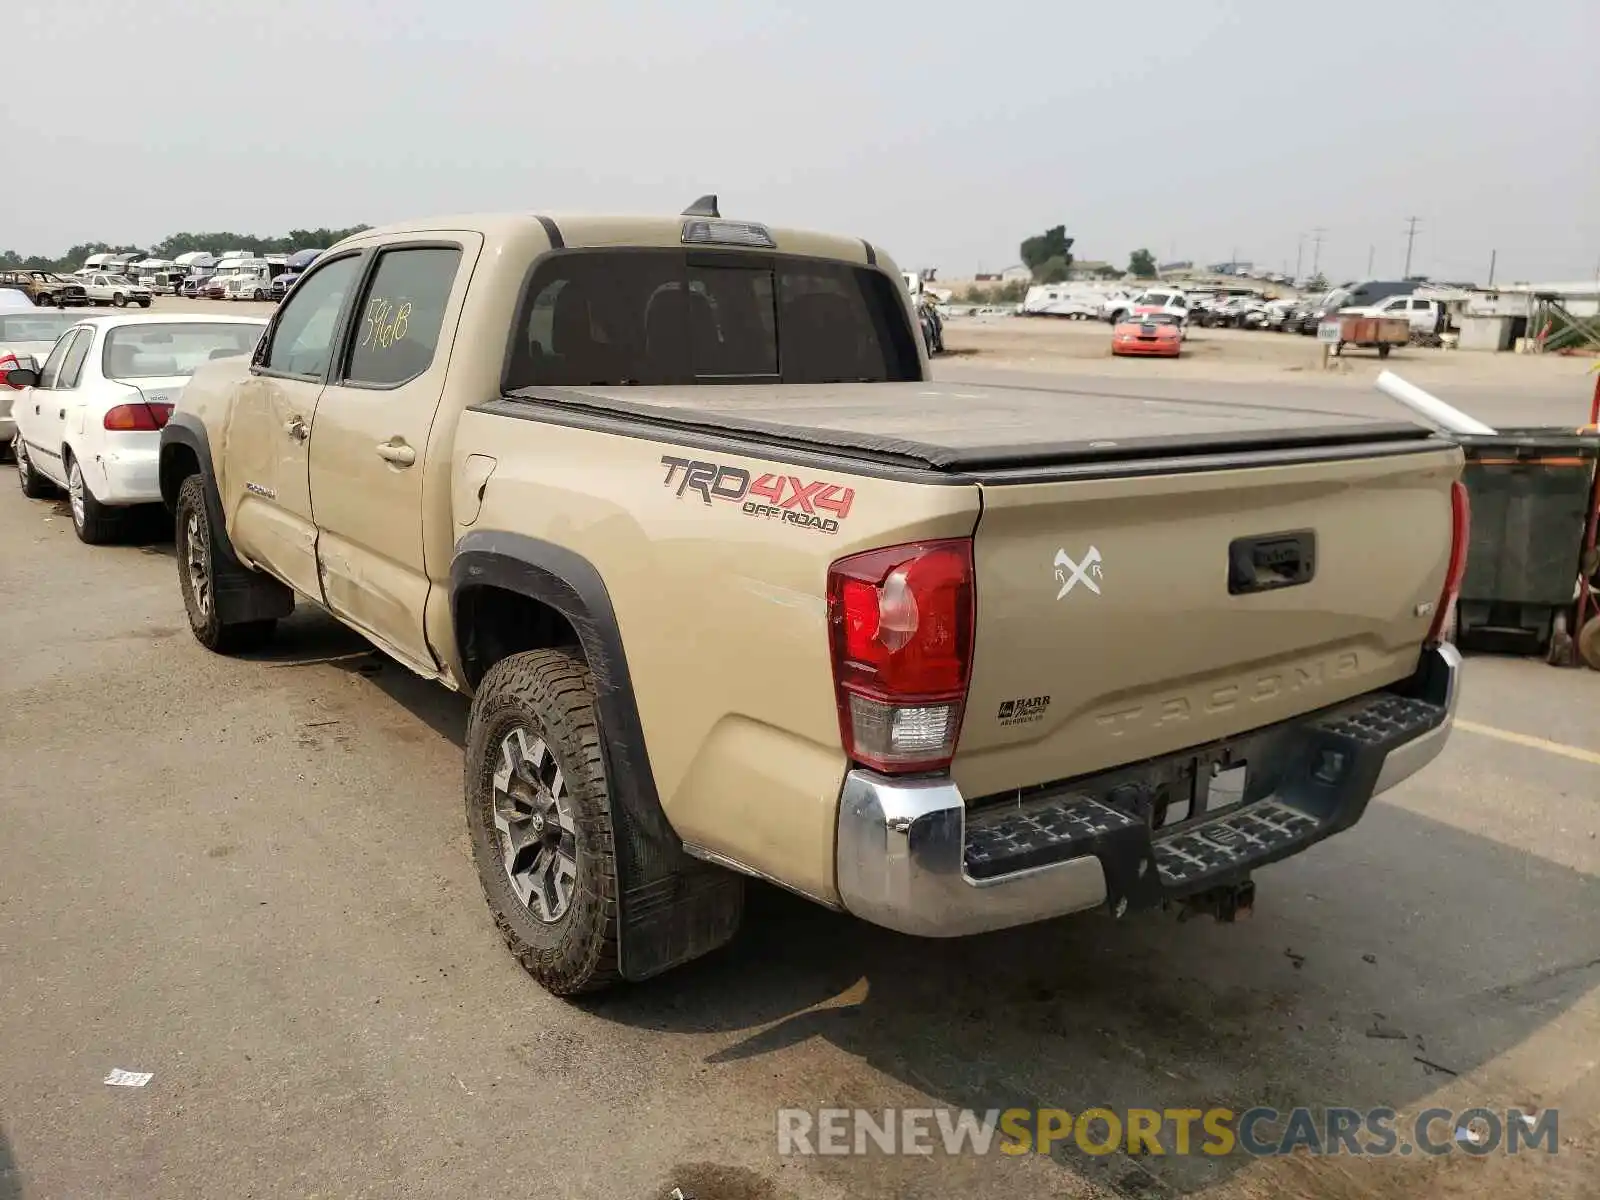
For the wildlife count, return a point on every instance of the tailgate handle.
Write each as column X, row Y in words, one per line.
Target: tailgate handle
column 1270, row 561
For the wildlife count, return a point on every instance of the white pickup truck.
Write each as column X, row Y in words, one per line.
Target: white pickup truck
column 1424, row 316
column 116, row 290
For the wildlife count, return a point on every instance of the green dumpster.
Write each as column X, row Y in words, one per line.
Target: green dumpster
column 1530, row 492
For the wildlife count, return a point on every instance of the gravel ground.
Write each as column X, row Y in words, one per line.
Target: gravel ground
column 251, row 877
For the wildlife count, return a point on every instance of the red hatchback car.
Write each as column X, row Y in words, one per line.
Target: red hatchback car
column 1157, row 333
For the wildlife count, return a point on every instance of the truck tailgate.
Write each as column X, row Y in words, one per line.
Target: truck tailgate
column 1123, row 618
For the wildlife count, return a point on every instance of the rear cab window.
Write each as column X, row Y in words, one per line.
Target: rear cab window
column 617, row 318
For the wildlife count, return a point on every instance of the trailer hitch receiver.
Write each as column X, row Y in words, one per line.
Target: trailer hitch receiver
column 1226, row 903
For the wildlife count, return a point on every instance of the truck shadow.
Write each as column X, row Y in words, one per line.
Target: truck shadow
column 10, row 1175
column 1331, row 995
column 310, row 637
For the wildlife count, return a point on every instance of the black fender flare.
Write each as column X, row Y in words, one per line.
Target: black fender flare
column 188, row 431
column 250, row 594
column 671, row 907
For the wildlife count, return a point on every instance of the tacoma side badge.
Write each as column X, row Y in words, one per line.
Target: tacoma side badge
column 1069, row 574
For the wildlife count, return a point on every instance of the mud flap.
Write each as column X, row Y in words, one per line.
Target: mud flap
column 671, row 907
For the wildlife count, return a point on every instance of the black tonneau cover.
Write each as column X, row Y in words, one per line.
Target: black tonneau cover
column 969, row 427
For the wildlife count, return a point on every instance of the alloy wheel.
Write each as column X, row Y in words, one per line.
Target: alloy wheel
column 534, row 826
column 196, row 563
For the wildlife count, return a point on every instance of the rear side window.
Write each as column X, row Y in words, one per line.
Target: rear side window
column 664, row 317
column 397, row 329
column 51, row 371
column 72, row 365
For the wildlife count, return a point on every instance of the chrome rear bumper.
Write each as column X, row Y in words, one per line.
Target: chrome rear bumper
column 903, row 853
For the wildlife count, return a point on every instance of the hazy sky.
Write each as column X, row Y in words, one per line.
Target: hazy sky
column 945, row 131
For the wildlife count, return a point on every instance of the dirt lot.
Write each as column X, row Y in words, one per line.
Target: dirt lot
column 251, row 877
column 1246, row 356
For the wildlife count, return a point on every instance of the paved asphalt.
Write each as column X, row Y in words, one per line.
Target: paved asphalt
column 251, row 878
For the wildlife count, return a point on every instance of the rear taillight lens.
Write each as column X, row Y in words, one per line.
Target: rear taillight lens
column 130, row 418
column 1460, row 533
column 900, row 630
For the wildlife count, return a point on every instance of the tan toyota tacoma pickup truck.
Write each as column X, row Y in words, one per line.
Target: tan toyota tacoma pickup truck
column 736, row 590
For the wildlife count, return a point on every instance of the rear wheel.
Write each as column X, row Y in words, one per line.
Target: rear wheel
column 201, row 569
column 93, row 522
column 539, row 815
column 34, row 485
column 1589, row 642
column 1383, row 350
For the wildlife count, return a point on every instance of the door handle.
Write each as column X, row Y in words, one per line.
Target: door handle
column 397, row 452
column 62, row 414
column 296, row 428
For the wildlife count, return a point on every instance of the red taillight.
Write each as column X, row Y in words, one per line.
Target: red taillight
column 900, row 629
column 1460, row 532
column 129, row 418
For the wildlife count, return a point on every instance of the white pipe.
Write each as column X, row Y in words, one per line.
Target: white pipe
column 1428, row 406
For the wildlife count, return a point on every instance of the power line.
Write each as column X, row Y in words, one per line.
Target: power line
column 1411, row 236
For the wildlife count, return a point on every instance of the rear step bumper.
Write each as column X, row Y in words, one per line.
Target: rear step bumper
column 911, row 857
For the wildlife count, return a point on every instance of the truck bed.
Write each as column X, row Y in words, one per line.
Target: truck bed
column 962, row 428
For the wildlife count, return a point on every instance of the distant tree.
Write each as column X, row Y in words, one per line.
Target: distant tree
column 1108, row 272
column 1053, row 270
column 1042, row 250
column 1142, row 264
column 216, row 243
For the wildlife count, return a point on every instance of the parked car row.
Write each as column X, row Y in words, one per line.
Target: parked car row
column 46, row 288
column 88, row 418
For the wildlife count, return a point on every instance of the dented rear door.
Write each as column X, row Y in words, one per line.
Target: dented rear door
column 375, row 453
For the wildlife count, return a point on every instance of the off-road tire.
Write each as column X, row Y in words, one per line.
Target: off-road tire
column 550, row 693
column 34, row 485
column 100, row 523
column 144, row 303
column 205, row 620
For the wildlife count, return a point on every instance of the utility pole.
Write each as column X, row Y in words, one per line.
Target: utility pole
column 1493, row 254
column 1411, row 236
column 1316, row 250
column 1370, row 251
column 1299, row 251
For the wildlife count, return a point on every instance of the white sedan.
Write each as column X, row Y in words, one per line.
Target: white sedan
column 90, row 419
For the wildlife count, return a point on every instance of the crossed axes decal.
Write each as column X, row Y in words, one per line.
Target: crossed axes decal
column 1087, row 572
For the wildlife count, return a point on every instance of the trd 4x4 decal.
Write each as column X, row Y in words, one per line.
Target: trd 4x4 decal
column 787, row 498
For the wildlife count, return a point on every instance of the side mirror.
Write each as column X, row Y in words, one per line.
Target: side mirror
column 22, row 377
